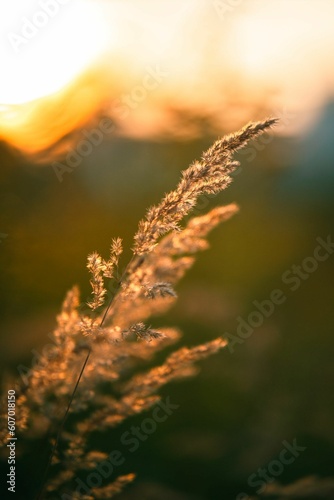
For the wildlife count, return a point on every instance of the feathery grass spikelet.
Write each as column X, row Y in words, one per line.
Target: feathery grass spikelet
column 115, row 335
column 208, row 176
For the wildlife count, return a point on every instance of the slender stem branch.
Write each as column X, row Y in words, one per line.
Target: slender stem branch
column 54, row 448
column 111, row 301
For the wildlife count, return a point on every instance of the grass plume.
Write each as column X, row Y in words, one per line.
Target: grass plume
column 95, row 346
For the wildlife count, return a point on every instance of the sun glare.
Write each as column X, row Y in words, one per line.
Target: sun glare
column 47, row 44
column 53, row 78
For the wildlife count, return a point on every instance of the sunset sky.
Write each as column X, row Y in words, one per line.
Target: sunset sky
column 216, row 58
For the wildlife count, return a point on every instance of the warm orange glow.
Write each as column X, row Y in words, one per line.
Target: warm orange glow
column 36, row 126
column 52, row 81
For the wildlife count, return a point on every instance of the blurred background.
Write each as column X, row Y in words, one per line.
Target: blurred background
column 102, row 104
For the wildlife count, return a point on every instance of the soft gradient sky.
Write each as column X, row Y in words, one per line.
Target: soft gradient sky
column 217, row 58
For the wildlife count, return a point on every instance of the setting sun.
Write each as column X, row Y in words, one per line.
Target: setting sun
column 46, row 47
